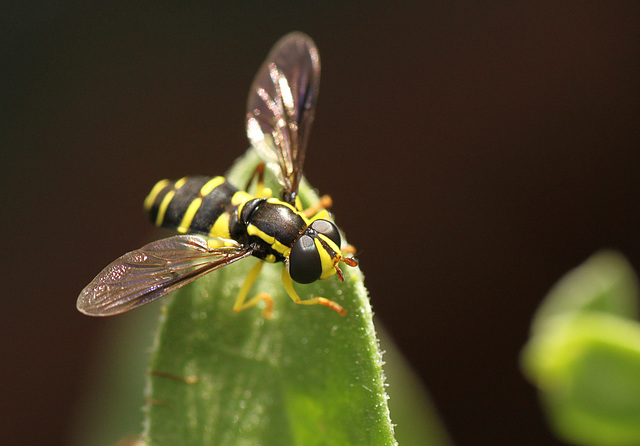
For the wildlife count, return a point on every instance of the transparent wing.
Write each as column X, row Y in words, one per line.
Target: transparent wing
column 281, row 106
column 153, row 271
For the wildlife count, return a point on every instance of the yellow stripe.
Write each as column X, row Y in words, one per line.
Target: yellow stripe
column 239, row 199
column 148, row 202
column 163, row 207
column 330, row 242
column 221, row 226
column 211, row 185
column 252, row 230
column 326, row 260
column 283, row 203
column 188, row 216
column 271, row 240
column 180, row 183
column 279, row 247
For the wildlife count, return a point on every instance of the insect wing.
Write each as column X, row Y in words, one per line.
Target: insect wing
column 156, row 269
column 281, row 107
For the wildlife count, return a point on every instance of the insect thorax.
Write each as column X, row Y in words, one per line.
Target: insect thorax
column 211, row 206
column 272, row 227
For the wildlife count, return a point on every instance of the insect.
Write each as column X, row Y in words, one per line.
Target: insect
column 222, row 224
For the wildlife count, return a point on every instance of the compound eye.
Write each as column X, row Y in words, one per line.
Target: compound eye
column 328, row 229
column 304, row 261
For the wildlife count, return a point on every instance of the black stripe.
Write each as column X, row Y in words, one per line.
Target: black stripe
column 213, row 205
column 178, row 206
column 278, row 221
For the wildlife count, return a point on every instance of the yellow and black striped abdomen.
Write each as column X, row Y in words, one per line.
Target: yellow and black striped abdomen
column 192, row 204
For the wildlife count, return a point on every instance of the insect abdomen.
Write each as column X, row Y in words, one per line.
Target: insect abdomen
column 196, row 204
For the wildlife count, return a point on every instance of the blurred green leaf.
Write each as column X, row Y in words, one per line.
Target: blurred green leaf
column 109, row 409
column 305, row 377
column 605, row 282
column 584, row 354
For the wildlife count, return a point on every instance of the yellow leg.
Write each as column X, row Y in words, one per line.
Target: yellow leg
column 244, row 291
column 288, row 285
column 319, row 210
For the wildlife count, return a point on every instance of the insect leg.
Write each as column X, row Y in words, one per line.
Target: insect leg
column 319, row 210
column 261, row 191
column 288, row 285
column 244, row 291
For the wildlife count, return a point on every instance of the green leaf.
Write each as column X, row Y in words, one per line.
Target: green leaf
column 584, row 354
column 305, row 377
column 605, row 282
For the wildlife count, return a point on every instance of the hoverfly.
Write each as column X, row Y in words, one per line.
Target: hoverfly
column 222, row 224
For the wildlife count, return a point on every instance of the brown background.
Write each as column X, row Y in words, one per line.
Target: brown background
column 474, row 152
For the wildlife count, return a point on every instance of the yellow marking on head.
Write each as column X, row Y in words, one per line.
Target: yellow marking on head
column 332, row 245
column 270, row 258
column 148, row 202
column 211, row 185
column 220, row 227
column 188, row 216
column 163, row 207
column 327, row 261
column 180, row 183
column 321, row 215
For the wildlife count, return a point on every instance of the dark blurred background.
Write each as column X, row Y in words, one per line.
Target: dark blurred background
column 475, row 153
